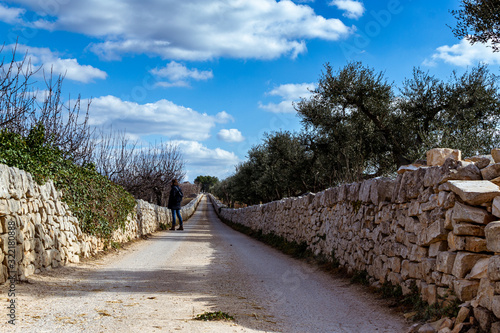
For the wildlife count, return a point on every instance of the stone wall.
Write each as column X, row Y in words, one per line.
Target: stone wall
column 435, row 225
column 38, row 228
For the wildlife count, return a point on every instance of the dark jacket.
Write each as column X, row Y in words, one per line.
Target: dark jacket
column 175, row 198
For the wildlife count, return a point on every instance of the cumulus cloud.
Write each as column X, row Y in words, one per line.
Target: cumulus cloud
column 160, row 118
column 223, row 117
column 192, row 29
column 11, row 15
column 203, row 160
column 51, row 61
column 464, row 54
column 289, row 93
column 353, row 9
column 178, row 75
column 230, row 135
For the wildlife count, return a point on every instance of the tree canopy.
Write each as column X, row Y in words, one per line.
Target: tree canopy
column 206, row 182
column 358, row 125
column 479, row 21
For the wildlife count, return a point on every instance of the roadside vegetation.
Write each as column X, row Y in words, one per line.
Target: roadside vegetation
column 214, row 316
column 100, row 173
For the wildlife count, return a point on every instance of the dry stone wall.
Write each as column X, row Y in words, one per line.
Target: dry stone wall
column 436, row 226
column 39, row 230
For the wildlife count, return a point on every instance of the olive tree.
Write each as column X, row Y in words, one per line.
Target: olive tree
column 479, row 22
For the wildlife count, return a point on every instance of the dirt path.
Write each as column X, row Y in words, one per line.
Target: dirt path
column 160, row 284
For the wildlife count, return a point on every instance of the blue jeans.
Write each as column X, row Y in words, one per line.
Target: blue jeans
column 178, row 212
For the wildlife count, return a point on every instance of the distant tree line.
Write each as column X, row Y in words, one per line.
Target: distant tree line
column 206, row 182
column 357, row 125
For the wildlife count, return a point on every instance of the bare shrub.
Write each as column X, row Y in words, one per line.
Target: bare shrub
column 66, row 127
column 151, row 171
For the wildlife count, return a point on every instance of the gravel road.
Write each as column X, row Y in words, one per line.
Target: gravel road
column 162, row 283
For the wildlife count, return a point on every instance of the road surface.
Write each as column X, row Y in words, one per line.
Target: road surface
column 162, row 283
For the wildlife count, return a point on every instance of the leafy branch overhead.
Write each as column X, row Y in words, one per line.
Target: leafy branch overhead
column 479, row 22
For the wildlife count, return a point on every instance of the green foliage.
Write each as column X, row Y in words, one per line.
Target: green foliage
column 206, row 182
column 277, row 168
column 211, row 316
column 334, row 261
column 356, row 205
column 479, row 21
column 357, row 125
column 360, row 277
column 388, row 290
column 100, row 205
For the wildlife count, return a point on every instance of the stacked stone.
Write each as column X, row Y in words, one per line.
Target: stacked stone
column 434, row 227
column 47, row 235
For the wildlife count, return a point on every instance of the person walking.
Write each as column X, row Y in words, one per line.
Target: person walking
column 174, row 203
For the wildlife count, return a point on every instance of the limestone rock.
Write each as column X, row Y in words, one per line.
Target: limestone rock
column 429, row 292
column 468, row 229
column 445, row 199
column 463, row 171
column 495, row 327
column 456, row 243
column 410, row 167
column 492, row 232
column 495, row 154
column 438, row 156
column 481, row 161
column 427, row 328
column 495, row 305
column 484, row 318
column 474, row 192
column 445, row 262
column 475, row 244
column 495, row 181
column 446, row 323
column 479, row 270
column 433, row 233
column 463, row 314
column 495, row 207
column 465, row 289
column 485, row 293
column 490, row 172
column 436, row 248
column 382, row 190
column 464, row 262
column 466, row 213
column 494, row 268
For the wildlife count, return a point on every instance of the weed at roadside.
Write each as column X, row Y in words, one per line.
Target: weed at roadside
column 212, row 316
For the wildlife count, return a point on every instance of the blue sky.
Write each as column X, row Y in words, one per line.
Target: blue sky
column 215, row 75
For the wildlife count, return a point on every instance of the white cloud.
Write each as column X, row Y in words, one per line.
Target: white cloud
column 354, row 9
column 289, row 94
column 464, row 54
column 11, row 15
column 51, row 61
column 178, row 75
column 223, row 117
column 230, row 135
column 192, row 29
column 160, row 118
column 201, row 160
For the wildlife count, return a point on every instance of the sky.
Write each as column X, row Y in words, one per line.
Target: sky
column 213, row 76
